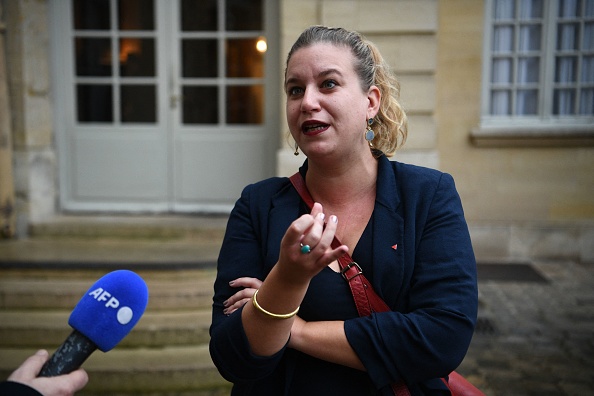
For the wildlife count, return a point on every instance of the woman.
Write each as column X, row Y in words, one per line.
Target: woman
column 402, row 224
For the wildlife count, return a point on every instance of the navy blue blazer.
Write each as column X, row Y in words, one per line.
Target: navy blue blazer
column 423, row 267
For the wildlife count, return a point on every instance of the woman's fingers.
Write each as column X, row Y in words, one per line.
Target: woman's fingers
column 330, row 254
column 306, row 230
column 254, row 283
column 316, row 209
column 300, row 227
column 238, row 304
column 314, row 234
column 306, row 247
column 237, row 300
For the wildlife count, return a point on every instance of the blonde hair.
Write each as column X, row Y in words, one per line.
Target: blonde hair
column 390, row 124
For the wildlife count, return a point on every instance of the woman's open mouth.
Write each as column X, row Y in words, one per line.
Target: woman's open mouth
column 313, row 127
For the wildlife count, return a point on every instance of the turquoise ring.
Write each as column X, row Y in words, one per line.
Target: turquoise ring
column 305, row 249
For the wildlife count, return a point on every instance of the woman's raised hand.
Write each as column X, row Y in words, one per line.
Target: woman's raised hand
column 308, row 230
column 306, row 246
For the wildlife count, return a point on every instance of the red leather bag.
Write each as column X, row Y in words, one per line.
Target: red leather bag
column 367, row 301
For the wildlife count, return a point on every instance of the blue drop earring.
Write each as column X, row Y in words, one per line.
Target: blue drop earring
column 369, row 134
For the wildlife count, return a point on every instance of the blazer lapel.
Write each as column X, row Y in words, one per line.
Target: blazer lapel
column 388, row 235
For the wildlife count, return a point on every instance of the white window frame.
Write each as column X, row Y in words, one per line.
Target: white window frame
column 537, row 130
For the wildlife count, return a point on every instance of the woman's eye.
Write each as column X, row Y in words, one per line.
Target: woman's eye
column 294, row 91
column 329, row 84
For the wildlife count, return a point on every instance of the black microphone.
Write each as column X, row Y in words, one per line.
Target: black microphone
column 101, row 319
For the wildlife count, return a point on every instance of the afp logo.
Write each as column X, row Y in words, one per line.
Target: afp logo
column 124, row 314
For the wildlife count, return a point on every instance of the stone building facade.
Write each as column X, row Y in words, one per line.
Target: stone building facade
column 528, row 191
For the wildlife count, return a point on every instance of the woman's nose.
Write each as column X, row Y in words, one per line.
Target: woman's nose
column 310, row 101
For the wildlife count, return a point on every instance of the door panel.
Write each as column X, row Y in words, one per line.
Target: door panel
column 222, row 137
column 103, row 165
column 208, row 181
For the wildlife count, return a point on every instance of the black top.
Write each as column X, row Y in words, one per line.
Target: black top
column 329, row 297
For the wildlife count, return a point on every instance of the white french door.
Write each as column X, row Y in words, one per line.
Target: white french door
column 163, row 105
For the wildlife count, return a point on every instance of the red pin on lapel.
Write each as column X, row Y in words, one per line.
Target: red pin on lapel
column 394, row 247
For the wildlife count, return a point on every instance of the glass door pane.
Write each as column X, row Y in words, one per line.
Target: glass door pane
column 222, row 67
column 115, row 61
column 91, row 15
column 244, row 58
column 199, row 58
column 243, row 15
column 198, row 16
column 136, row 15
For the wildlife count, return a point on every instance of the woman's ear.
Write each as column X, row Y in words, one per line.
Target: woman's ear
column 374, row 96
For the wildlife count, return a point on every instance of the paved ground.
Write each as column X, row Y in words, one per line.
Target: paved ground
column 534, row 337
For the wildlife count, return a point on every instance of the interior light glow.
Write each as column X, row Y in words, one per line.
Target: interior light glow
column 261, row 45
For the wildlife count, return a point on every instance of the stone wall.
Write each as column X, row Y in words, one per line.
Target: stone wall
column 27, row 49
column 523, row 201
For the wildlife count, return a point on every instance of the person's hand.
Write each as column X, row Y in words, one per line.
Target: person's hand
column 62, row 385
column 312, row 233
column 250, row 285
column 238, row 300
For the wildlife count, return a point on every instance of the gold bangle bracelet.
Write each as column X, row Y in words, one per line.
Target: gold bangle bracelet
column 272, row 315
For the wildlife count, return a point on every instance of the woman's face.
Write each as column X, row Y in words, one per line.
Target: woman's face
column 327, row 109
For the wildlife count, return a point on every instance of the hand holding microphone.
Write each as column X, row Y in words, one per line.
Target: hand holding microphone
column 101, row 319
column 24, row 380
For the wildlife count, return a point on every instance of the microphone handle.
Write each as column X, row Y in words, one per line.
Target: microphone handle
column 69, row 356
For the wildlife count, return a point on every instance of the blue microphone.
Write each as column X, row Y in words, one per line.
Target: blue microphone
column 101, row 319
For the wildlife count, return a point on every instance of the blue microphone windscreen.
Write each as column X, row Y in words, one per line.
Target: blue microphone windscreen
column 110, row 308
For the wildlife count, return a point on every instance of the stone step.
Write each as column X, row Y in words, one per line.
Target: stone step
column 168, row 290
column 157, row 227
column 48, row 329
column 87, row 253
column 166, row 353
column 178, row 370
